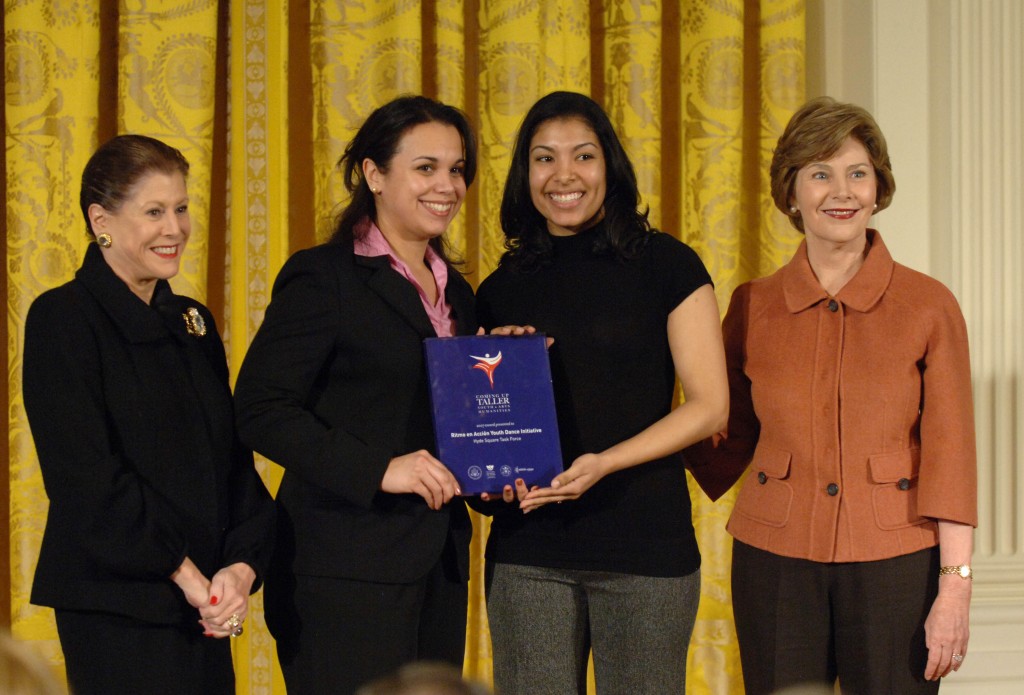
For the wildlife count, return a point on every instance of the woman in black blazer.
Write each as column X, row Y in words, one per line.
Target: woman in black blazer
column 159, row 527
column 371, row 565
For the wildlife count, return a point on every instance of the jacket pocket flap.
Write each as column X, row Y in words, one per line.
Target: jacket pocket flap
column 774, row 463
column 892, row 467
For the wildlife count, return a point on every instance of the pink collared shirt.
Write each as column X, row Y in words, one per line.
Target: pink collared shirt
column 373, row 243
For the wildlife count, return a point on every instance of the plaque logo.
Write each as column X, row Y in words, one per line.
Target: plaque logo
column 487, row 365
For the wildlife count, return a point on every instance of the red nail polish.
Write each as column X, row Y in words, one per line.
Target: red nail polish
column 213, row 600
column 207, row 634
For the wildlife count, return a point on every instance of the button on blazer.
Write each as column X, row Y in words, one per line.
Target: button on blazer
column 852, row 415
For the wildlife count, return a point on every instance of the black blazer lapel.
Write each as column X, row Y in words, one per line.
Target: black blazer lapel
column 460, row 298
column 396, row 291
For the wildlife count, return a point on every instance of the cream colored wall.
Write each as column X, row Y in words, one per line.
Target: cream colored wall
column 876, row 54
column 943, row 78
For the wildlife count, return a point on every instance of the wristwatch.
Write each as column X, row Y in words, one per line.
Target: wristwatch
column 963, row 570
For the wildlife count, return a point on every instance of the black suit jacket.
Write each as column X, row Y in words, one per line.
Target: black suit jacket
column 133, row 424
column 333, row 387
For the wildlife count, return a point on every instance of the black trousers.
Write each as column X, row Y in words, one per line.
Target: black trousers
column 800, row 622
column 334, row 635
column 110, row 654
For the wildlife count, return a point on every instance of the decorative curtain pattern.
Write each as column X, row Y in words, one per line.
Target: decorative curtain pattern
column 50, row 85
column 263, row 95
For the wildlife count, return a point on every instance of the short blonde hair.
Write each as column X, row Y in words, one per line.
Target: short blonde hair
column 815, row 133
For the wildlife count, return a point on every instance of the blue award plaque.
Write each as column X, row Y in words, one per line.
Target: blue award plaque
column 494, row 410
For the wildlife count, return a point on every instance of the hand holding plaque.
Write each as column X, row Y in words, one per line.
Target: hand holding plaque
column 494, row 410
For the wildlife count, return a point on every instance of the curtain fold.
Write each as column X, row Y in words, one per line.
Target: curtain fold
column 257, row 242
column 51, row 114
column 166, row 89
column 263, row 95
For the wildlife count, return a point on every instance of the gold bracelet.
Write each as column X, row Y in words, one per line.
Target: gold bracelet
column 963, row 570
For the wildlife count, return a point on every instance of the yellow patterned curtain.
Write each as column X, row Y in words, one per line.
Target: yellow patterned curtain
column 262, row 95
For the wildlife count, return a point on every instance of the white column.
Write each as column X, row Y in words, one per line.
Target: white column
column 987, row 257
column 981, row 183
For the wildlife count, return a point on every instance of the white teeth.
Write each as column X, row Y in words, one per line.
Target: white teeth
column 566, row 197
column 165, row 250
column 438, row 207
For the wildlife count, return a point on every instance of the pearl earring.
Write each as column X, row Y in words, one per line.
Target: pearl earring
column 792, row 209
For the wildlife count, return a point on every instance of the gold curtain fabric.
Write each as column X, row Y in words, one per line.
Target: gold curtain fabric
column 262, row 96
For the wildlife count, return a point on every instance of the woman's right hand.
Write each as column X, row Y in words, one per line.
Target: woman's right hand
column 423, row 475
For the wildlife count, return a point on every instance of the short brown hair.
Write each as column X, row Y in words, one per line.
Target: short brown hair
column 815, row 133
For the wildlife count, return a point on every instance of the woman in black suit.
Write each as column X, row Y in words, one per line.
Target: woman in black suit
column 371, row 566
column 159, row 527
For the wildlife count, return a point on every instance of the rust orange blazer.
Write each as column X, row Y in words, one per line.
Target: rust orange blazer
column 852, row 414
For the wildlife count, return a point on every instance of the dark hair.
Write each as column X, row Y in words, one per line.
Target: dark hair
column 624, row 229
column 377, row 140
column 118, row 165
column 814, row 134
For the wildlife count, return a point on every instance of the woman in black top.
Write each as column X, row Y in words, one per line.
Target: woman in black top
column 159, row 527
column 615, row 566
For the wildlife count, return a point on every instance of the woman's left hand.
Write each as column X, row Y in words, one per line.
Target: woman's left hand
column 510, row 330
column 568, row 485
column 229, row 600
column 509, row 494
column 517, row 330
column 946, row 628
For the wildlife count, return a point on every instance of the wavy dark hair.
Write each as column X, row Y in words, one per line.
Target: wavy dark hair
column 118, row 165
column 624, row 229
column 378, row 140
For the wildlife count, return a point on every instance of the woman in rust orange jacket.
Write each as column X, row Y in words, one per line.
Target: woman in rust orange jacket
column 851, row 411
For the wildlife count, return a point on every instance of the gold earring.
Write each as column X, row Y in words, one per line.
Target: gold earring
column 104, row 240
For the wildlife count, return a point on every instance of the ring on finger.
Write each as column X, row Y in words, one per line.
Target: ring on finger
column 234, row 622
column 958, row 658
column 237, row 632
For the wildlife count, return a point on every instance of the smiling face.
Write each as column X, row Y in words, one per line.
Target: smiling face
column 423, row 186
column 148, row 232
column 568, row 182
column 836, row 198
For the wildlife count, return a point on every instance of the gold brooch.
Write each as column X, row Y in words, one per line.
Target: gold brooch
column 194, row 322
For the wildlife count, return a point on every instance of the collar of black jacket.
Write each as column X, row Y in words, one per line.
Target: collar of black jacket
column 134, row 318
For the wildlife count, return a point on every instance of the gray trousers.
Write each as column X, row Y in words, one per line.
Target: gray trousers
column 544, row 622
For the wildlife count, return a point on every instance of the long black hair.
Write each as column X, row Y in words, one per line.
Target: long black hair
column 624, row 229
column 377, row 140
